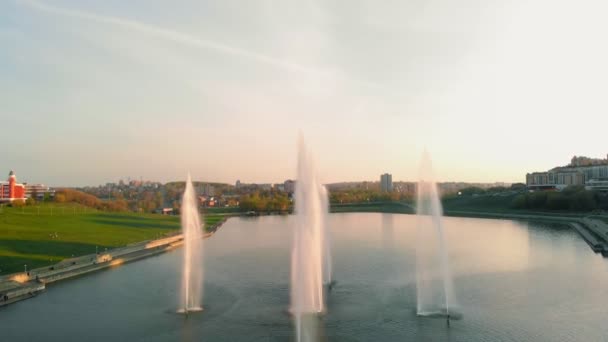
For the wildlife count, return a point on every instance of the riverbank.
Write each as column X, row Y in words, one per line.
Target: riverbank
column 23, row 285
column 491, row 207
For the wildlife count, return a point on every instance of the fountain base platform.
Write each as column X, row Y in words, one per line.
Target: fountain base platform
column 443, row 314
column 188, row 311
column 290, row 313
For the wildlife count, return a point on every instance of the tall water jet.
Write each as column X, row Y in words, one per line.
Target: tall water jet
column 326, row 237
column 192, row 273
column 309, row 249
column 435, row 295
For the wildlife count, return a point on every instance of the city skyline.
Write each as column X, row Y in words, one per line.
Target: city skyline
column 94, row 92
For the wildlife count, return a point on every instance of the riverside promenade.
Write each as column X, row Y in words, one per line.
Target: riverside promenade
column 19, row 286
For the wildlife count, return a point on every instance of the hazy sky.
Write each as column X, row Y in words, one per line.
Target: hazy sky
column 95, row 91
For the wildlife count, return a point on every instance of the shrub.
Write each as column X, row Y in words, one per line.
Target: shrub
column 520, row 202
column 583, row 201
column 537, row 200
column 557, row 201
column 18, row 203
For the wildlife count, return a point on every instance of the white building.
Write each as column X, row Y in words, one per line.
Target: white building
column 38, row 191
column 592, row 173
column 386, row 182
column 290, row 186
column 597, row 184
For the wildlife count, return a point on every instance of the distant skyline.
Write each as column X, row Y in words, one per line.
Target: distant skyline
column 92, row 92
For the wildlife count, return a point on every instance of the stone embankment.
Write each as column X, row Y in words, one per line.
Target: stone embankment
column 599, row 229
column 18, row 286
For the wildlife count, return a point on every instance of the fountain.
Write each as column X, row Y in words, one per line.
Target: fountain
column 326, row 238
column 435, row 295
column 310, row 248
column 192, row 276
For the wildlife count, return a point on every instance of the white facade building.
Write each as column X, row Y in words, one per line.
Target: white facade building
column 386, row 182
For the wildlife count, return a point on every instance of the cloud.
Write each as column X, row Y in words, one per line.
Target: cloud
column 190, row 40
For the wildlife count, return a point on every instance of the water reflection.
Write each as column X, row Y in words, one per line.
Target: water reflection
column 515, row 282
column 311, row 329
column 388, row 234
column 487, row 246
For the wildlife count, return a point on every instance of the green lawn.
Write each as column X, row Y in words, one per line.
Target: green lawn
column 224, row 210
column 45, row 234
column 212, row 219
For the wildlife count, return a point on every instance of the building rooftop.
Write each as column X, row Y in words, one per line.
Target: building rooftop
column 586, row 161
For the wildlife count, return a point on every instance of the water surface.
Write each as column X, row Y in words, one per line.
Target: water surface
column 514, row 281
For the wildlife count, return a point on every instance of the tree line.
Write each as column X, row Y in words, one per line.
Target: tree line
column 573, row 198
column 265, row 201
column 88, row 200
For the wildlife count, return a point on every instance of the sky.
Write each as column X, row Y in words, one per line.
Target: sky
column 96, row 91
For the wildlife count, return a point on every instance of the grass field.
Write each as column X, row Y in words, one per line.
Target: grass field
column 41, row 235
column 224, row 210
column 212, row 219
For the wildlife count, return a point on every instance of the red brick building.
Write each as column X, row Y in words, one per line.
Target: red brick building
column 11, row 190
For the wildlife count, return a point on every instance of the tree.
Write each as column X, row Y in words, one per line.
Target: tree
column 602, row 200
column 520, row 202
column 537, row 200
column 518, row 186
column 60, row 198
column 496, row 189
column 18, row 203
column 575, row 198
column 583, row 201
column 557, row 201
column 473, row 190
